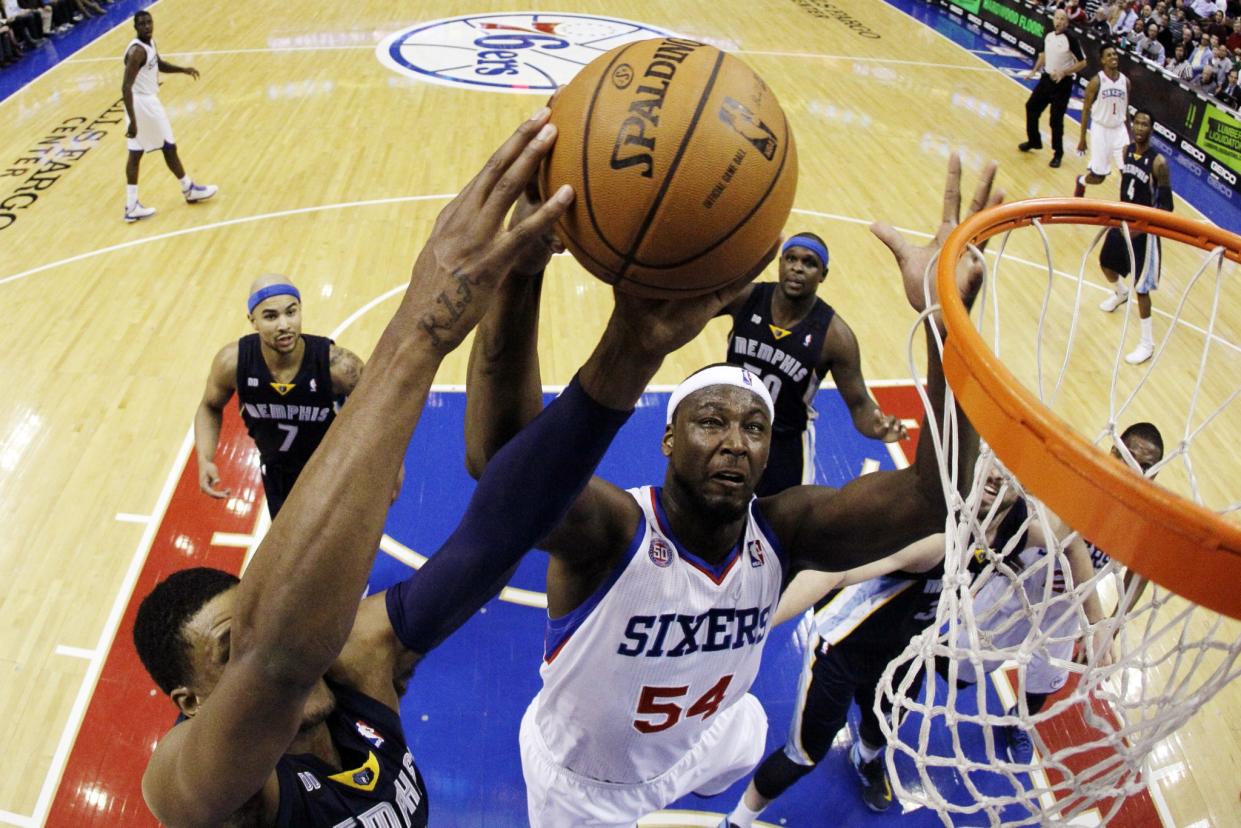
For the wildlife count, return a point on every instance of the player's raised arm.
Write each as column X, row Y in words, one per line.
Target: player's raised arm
column 843, row 357
column 292, row 612
column 877, row 513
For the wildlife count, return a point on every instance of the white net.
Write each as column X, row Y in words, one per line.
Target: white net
column 1016, row 627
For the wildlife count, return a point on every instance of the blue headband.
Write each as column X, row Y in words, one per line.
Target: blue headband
column 271, row 290
column 810, row 243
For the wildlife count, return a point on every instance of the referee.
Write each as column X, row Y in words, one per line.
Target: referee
column 1063, row 58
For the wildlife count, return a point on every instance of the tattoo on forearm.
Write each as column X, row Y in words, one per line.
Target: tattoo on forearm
column 450, row 308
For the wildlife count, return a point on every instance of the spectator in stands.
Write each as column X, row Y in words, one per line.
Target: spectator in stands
column 1221, row 62
column 1201, row 56
column 1124, row 21
column 1206, row 83
column 9, row 50
column 1075, row 11
column 1233, row 42
column 1203, row 9
column 1176, row 25
column 1178, row 64
column 27, row 25
column 1148, row 47
column 1229, row 93
column 1218, row 26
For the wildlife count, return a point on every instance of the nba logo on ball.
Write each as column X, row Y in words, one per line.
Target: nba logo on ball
column 661, row 554
column 524, row 52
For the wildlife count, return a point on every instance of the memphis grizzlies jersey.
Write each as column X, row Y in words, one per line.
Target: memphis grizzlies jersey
column 286, row 420
column 634, row 675
column 1111, row 103
column 787, row 360
column 147, row 81
column 1137, row 178
column 380, row 786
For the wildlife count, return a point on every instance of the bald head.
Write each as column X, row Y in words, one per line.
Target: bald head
column 269, row 279
column 269, row 287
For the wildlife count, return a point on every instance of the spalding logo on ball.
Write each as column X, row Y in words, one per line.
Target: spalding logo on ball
column 683, row 164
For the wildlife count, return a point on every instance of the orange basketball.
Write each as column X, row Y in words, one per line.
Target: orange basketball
column 683, row 164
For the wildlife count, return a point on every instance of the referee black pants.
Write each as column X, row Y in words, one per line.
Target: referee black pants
column 1053, row 94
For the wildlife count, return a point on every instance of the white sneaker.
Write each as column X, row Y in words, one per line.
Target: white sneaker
column 138, row 212
column 1113, row 301
column 199, row 192
column 1140, row 354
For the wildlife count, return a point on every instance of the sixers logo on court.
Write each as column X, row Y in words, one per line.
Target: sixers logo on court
column 660, row 552
column 525, row 52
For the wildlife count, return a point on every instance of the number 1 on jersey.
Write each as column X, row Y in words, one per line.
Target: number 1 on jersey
column 650, row 704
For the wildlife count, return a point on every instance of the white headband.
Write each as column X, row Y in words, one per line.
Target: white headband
column 721, row 375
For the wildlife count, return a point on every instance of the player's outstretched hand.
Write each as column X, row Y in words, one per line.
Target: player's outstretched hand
column 209, row 481
column 663, row 325
column 191, row 71
column 914, row 261
column 470, row 250
column 887, row 427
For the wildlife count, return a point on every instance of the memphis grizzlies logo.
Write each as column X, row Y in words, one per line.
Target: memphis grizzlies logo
column 523, row 52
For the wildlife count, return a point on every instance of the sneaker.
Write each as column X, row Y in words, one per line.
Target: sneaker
column 138, row 212
column 199, row 192
column 1026, row 146
column 1016, row 743
column 1140, row 354
column 876, row 792
column 1079, row 188
column 1056, row 159
column 1113, row 301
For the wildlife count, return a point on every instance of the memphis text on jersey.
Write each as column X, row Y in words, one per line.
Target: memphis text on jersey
column 786, row 364
column 293, row 413
column 673, row 635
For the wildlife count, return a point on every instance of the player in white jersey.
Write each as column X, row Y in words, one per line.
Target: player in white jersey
column 146, row 124
column 1105, row 114
column 660, row 599
column 1002, row 612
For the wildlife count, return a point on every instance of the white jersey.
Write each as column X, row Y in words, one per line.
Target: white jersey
column 635, row 675
column 147, row 82
column 1111, row 104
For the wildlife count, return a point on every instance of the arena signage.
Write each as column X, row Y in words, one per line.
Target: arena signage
column 520, row 52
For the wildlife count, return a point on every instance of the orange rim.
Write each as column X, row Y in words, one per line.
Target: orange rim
column 1172, row 541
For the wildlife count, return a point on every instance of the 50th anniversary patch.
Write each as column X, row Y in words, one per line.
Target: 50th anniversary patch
column 523, row 52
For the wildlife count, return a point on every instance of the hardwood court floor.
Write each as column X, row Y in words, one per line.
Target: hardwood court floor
column 332, row 169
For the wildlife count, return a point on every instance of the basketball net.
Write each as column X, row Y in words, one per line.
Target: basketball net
column 1024, row 614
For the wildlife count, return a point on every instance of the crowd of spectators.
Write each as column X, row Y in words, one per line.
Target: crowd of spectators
column 1197, row 42
column 25, row 25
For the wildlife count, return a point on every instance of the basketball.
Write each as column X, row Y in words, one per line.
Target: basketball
column 683, row 165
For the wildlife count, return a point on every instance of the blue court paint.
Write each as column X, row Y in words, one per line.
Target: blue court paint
column 62, row 47
column 464, row 706
column 1189, row 180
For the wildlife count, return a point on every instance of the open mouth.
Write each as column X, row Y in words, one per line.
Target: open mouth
column 731, row 478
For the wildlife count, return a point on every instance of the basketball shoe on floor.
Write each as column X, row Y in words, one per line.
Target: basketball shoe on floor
column 1016, row 744
column 876, row 792
column 1114, row 301
column 1140, row 354
column 199, row 192
column 138, row 212
column 1079, row 188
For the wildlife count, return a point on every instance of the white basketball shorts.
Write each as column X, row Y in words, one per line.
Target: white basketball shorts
column 1107, row 148
column 556, row 797
column 154, row 131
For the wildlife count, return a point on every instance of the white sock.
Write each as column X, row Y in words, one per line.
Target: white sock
column 867, row 752
column 186, row 183
column 1121, row 289
column 131, row 195
column 742, row 816
column 1148, row 331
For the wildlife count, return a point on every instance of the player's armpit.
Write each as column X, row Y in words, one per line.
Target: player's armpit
column 373, row 660
column 842, row 529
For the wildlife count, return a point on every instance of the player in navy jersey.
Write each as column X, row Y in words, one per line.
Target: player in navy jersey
column 288, row 686
column 1145, row 180
column 287, row 383
column 668, row 591
column 791, row 338
column 851, row 637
